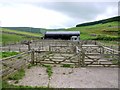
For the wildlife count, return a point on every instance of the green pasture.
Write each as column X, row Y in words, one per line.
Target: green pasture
column 106, row 31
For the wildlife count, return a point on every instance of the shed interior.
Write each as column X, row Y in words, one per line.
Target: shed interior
column 65, row 35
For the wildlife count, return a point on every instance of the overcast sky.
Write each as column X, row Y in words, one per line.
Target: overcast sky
column 54, row 13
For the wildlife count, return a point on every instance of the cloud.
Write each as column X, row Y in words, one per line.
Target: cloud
column 54, row 14
column 82, row 10
column 110, row 12
column 29, row 15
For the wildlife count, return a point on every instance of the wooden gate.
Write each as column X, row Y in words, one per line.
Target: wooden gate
column 58, row 53
column 77, row 54
column 96, row 55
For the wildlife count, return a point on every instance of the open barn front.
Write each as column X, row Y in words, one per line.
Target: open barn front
column 63, row 35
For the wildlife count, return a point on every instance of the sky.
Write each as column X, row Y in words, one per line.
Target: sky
column 54, row 13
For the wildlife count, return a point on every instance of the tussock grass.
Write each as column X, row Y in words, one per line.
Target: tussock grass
column 7, row 54
column 49, row 70
column 18, row 75
column 66, row 65
column 7, row 86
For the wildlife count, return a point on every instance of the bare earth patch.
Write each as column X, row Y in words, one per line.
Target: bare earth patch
column 36, row 76
column 90, row 77
column 85, row 78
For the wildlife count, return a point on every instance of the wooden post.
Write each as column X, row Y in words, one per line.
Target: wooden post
column 32, row 56
column 102, row 52
column 74, row 49
column 19, row 49
column 82, row 58
column 9, row 46
column 28, row 46
column 42, row 45
column 95, row 43
column 35, row 43
column 100, row 49
column 119, row 53
column 79, row 59
column 49, row 48
column 113, row 53
column 67, row 43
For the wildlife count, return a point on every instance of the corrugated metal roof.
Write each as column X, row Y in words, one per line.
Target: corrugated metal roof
column 62, row 32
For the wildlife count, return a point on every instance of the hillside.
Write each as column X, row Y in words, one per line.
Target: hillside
column 30, row 29
column 22, row 33
column 13, row 36
column 98, row 31
column 113, row 19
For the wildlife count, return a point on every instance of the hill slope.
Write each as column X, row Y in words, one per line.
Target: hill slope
column 113, row 19
column 98, row 31
column 22, row 33
column 12, row 36
column 31, row 29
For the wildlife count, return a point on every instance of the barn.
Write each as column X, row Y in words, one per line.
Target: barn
column 64, row 35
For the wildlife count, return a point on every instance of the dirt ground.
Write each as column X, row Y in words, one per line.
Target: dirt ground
column 90, row 77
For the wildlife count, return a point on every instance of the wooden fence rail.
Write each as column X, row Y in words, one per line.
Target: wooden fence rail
column 14, row 63
column 60, row 52
column 42, row 43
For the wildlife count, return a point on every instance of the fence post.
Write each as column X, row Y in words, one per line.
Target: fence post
column 113, row 55
column 95, row 43
column 102, row 51
column 49, row 48
column 19, row 49
column 28, row 46
column 9, row 47
column 32, row 56
column 79, row 58
column 35, row 43
column 82, row 58
column 74, row 48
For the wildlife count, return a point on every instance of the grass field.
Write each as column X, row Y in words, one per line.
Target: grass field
column 22, row 32
column 102, row 31
column 11, row 38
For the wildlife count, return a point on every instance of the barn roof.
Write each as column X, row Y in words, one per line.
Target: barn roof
column 62, row 32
